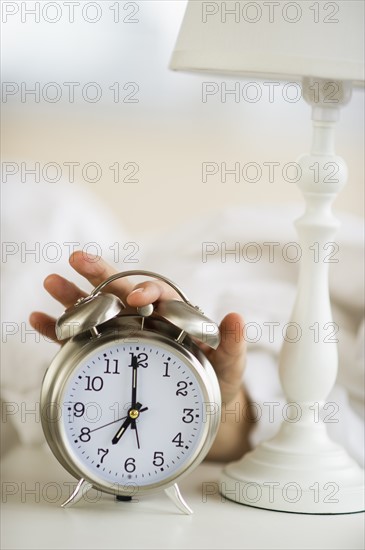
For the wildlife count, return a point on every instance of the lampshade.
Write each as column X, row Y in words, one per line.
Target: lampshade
column 285, row 40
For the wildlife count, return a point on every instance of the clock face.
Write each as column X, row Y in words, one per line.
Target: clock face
column 133, row 414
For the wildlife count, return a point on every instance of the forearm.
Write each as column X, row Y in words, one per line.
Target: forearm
column 232, row 440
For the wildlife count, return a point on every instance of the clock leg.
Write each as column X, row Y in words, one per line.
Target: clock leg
column 81, row 488
column 173, row 492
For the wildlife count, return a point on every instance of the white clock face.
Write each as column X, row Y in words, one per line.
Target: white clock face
column 133, row 414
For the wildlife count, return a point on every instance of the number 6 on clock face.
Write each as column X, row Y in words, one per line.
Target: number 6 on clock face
column 131, row 402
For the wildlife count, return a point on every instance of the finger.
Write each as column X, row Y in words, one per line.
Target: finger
column 96, row 270
column 229, row 359
column 64, row 291
column 149, row 292
column 44, row 324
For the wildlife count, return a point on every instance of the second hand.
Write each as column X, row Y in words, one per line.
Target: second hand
column 117, row 420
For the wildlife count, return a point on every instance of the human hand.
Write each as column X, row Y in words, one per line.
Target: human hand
column 228, row 359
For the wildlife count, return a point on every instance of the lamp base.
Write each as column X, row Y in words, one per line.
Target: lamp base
column 289, row 473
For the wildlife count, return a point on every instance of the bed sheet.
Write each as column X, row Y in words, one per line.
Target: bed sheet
column 242, row 259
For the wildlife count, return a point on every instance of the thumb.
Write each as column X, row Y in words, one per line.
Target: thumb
column 229, row 359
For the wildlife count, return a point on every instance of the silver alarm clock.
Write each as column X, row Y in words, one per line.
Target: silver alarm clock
column 130, row 404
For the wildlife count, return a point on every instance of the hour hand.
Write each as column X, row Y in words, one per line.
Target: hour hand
column 121, row 430
column 133, row 413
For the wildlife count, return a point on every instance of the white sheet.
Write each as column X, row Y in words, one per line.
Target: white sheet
column 262, row 291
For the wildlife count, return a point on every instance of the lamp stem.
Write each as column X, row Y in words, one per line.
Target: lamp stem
column 308, row 364
column 323, row 138
column 301, row 469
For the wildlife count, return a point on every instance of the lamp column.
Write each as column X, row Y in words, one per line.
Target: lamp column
column 301, row 469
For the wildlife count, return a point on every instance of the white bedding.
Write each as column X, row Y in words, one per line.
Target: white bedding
column 262, row 291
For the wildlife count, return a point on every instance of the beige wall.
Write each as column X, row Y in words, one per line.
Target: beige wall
column 168, row 134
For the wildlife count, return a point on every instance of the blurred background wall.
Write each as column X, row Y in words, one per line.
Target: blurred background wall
column 87, row 97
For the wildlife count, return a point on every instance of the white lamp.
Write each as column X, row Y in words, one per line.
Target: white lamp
column 320, row 44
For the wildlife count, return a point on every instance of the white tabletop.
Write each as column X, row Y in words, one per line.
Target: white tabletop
column 31, row 478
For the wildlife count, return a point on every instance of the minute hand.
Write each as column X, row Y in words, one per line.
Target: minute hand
column 134, row 364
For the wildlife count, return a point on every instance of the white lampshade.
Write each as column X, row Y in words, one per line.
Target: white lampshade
column 286, row 40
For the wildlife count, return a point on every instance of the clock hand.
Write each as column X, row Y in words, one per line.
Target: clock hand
column 133, row 413
column 134, row 426
column 121, row 430
column 134, row 364
column 114, row 421
column 108, row 424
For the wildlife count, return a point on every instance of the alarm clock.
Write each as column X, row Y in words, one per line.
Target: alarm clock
column 130, row 404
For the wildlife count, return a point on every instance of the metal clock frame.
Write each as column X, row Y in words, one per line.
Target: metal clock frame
column 119, row 329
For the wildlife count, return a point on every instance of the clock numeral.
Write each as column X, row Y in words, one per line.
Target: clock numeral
column 158, row 459
column 85, row 435
column 142, row 359
column 95, row 383
column 188, row 416
column 182, row 385
column 103, row 452
column 178, row 440
column 130, row 465
column 166, row 369
column 115, row 371
column 79, row 409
